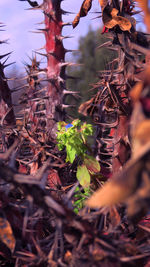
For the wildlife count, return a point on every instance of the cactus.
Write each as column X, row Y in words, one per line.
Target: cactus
column 6, row 107
column 112, row 108
column 36, row 227
column 55, row 63
column 55, row 54
column 45, row 106
column 118, row 83
column 7, row 117
column 34, row 98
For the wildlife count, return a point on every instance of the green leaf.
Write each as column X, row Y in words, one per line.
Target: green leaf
column 60, row 125
column 73, row 138
column 76, row 210
column 71, row 153
column 60, row 147
column 83, row 176
column 92, row 164
column 76, row 122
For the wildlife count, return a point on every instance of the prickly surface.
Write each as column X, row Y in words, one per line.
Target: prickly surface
column 55, row 67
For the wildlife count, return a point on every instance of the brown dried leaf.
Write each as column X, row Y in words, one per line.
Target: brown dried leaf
column 110, row 23
column 103, row 3
column 111, row 194
column 68, row 257
column 140, row 129
column 119, row 188
column 123, row 23
column 6, row 234
column 86, row 6
column 142, row 132
column 110, row 19
column 114, row 216
column 138, row 203
column 53, row 179
column 136, row 91
column 92, row 164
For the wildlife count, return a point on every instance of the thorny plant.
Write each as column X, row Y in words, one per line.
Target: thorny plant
column 37, row 224
column 115, row 111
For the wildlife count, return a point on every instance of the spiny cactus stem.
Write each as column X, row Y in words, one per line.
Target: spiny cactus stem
column 5, row 99
column 55, row 58
column 53, row 45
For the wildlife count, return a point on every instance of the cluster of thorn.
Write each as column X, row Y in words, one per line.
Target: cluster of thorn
column 46, row 231
column 111, row 108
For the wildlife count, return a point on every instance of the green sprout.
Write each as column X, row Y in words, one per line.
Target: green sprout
column 73, row 137
column 80, row 198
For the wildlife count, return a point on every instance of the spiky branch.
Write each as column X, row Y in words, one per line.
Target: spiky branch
column 7, row 116
column 55, row 63
column 6, row 108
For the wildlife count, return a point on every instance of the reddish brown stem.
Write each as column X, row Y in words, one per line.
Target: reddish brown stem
column 55, row 59
column 6, row 107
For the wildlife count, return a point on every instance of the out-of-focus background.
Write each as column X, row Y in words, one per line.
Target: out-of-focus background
column 21, row 23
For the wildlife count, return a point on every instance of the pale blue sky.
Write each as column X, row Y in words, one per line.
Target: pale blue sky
column 20, row 22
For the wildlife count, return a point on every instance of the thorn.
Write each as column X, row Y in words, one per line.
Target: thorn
column 41, row 54
column 71, row 50
column 67, row 106
column 18, row 88
column 5, row 60
column 36, row 7
column 39, row 23
column 38, row 49
column 39, row 32
column 64, row 12
column 43, row 30
column 98, row 17
column 8, row 79
column 4, row 41
column 66, row 64
column 61, row 38
column 5, row 66
column 66, row 24
column 72, row 93
column 106, row 44
column 5, row 55
column 67, row 92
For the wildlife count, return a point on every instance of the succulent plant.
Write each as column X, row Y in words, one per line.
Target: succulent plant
column 56, row 65
column 111, row 107
column 7, row 116
column 6, row 107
